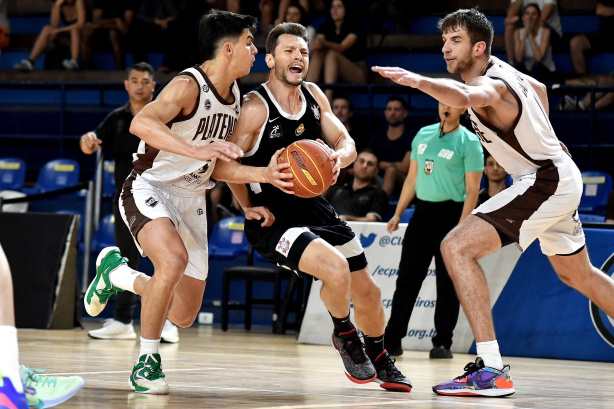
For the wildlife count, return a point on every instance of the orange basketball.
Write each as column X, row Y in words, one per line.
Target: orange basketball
column 311, row 165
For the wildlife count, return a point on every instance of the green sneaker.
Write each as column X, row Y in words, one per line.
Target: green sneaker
column 101, row 289
column 49, row 391
column 147, row 376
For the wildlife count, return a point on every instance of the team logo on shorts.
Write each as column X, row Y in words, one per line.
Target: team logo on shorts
column 429, row 165
column 300, row 129
column 205, row 88
column 283, row 246
column 316, row 111
column 199, row 211
column 151, row 202
column 207, row 104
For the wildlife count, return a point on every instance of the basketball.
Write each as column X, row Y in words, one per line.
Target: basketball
column 311, row 166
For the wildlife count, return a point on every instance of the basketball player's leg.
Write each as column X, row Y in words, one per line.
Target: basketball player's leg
column 461, row 249
column 577, row 272
column 187, row 300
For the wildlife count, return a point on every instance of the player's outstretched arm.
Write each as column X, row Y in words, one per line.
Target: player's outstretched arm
column 245, row 136
column 178, row 98
column 335, row 134
column 479, row 92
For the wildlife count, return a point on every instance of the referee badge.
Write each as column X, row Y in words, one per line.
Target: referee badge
column 429, row 164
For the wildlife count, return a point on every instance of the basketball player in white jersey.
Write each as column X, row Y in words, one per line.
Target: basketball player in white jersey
column 308, row 231
column 509, row 112
column 183, row 132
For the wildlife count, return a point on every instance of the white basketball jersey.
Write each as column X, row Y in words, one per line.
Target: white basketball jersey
column 212, row 118
column 531, row 143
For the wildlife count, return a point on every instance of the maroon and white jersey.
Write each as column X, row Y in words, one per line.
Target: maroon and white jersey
column 531, row 143
column 212, row 118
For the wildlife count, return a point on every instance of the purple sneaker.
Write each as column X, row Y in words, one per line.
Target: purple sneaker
column 478, row 380
column 9, row 397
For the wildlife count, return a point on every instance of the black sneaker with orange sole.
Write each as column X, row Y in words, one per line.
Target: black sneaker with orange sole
column 388, row 376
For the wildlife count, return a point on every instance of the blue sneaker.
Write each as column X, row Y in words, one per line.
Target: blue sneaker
column 479, row 380
column 9, row 397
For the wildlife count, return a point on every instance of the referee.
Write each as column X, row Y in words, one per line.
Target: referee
column 444, row 176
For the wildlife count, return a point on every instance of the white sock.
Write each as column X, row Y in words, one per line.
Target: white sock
column 124, row 277
column 9, row 358
column 489, row 352
column 149, row 346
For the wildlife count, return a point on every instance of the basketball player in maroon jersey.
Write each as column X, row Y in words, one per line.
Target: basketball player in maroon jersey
column 509, row 112
column 308, row 231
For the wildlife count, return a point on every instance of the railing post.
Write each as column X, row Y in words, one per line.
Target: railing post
column 87, row 236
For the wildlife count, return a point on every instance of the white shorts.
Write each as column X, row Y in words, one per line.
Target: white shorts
column 141, row 202
column 542, row 205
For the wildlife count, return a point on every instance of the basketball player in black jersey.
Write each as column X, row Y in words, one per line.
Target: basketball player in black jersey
column 307, row 231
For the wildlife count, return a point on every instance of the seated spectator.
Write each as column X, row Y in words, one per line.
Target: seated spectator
column 609, row 212
column 5, row 26
column 339, row 49
column 495, row 179
column 392, row 146
column 343, row 109
column 360, row 200
column 67, row 20
column 295, row 13
column 167, row 26
column 603, row 100
column 549, row 17
column 601, row 41
column 532, row 50
column 113, row 18
column 311, row 7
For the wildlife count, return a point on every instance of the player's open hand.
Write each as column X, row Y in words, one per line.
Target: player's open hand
column 393, row 224
column 219, row 149
column 398, row 75
column 260, row 213
column 276, row 176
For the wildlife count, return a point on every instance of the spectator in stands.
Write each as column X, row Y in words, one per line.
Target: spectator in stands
column 360, row 200
column 113, row 135
column 295, row 13
column 311, row 7
column 532, row 49
column 339, row 49
column 113, row 17
column 343, row 109
column 600, row 41
column 494, row 178
column 5, row 26
column 67, row 20
column 609, row 212
column 549, row 16
column 603, row 100
column 167, row 26
column 444, row 175
column 392, row 146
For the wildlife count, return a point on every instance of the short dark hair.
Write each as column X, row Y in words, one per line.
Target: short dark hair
column 351, row 104
column 539, row 12
column 399, row 99
column 368, row 150
column 474, row 21
column 285, row 28
column 218, row 25
column 301, row 9
column 142, row 67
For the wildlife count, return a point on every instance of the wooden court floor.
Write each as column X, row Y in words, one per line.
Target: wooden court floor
column 237, row 369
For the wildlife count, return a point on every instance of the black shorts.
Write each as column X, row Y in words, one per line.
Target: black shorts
column 284, row 244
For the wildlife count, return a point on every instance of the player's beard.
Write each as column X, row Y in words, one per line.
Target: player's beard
column 282, row 74
column 462, row 64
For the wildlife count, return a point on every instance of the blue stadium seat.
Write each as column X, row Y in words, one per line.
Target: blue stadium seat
column 12, row 174
column 407, row 214
column 591, row 218
column 597, row 187
column 228, row 239
column 108, row 179
column 105, row 235
column 56, row 174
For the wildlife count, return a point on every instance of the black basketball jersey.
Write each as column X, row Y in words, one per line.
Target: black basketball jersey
column 280, row 130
